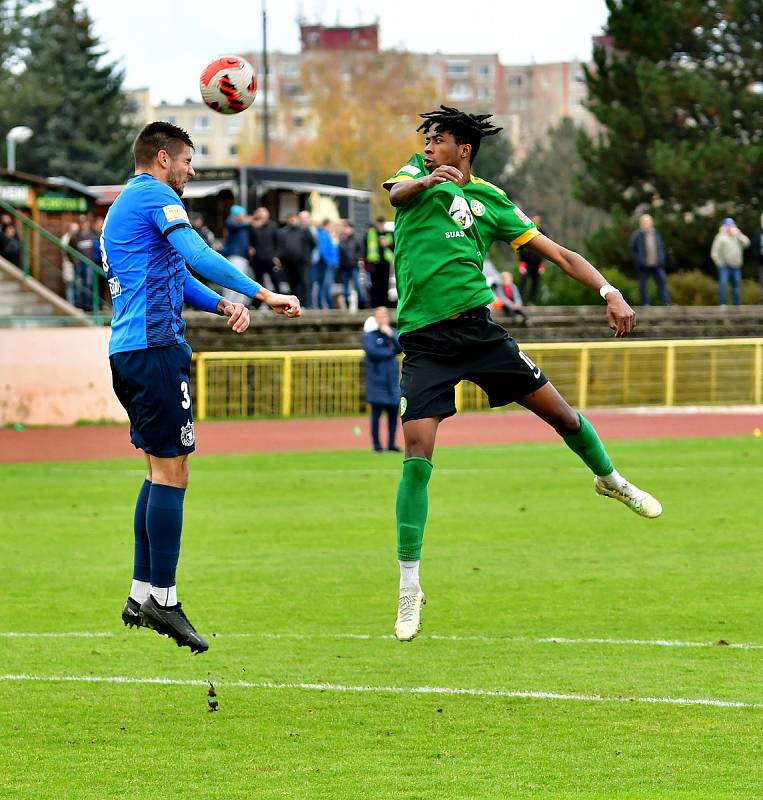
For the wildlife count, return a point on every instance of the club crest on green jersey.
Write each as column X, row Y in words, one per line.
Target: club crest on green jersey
column 460, row 212
column 477, row 208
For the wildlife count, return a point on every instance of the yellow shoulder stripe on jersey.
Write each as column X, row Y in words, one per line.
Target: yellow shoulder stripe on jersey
column 391, row 181
column 475, row 179
column 525, row 238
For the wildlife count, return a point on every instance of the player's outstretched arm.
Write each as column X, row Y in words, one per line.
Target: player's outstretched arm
column 211, row 265
column 208, row 263
column 197, row 295
column 621, row 318
column 400, row 194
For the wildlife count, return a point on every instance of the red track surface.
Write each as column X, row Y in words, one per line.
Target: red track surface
column 271, row 436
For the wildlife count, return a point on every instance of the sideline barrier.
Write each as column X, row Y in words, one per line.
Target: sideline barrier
column 613, row 374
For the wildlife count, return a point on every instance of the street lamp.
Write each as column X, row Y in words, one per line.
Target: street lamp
column 18, row 134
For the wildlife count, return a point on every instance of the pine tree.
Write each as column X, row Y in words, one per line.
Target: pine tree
column 679, row 91
column 73, row 102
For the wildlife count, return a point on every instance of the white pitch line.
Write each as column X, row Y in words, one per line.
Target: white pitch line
column 415, row 690
column 434, row 637
column 64, row 635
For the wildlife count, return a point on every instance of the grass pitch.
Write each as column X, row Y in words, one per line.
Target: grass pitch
column 288, row 567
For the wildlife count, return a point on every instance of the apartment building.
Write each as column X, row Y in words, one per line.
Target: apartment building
column 526, row 99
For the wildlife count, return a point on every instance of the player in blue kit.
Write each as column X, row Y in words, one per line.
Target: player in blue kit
column 146, row 243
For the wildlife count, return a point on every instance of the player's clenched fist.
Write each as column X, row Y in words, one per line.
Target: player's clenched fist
column 286, row 304
column 237, row 313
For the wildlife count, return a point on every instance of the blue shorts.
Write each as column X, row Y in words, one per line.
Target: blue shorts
column 154, row 386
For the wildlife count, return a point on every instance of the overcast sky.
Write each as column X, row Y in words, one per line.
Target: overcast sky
column 165, row 44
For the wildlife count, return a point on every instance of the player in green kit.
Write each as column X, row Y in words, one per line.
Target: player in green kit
column 445, row 219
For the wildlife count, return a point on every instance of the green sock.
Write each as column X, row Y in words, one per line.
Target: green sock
column 412, row 507
column 589, row 447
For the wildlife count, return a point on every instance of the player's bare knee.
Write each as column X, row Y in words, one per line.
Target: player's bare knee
column 567, row 423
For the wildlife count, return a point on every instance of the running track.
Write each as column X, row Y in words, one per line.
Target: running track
column 271, row 436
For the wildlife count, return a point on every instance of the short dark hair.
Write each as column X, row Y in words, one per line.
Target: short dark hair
column 466, row 128
column 158, row 136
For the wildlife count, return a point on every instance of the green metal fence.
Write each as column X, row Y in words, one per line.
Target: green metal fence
column 89, row 280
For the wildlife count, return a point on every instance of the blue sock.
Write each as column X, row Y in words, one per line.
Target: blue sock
column 141, row 570
column 164, row 522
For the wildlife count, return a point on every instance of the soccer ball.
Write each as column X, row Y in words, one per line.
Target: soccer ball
column 228, row 85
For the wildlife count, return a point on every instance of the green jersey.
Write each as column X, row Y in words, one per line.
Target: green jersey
column 438, row 260
column 495, row 216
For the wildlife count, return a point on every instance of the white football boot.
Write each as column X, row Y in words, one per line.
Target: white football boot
column 637, row 500
column 408, row 622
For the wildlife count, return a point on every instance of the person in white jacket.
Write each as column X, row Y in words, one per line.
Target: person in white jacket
column 727, row 253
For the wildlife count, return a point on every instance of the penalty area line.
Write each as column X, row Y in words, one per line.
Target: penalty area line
column 402, row 690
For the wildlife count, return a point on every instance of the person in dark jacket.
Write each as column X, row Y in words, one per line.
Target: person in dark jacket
column 295, row 248
column 648, row 252
column 11, row 244
column 382, row 375
column 263, row 241
column 350, row 255
column 757, row 253
column 531, row 268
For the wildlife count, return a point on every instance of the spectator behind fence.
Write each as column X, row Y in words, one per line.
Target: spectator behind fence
column 295, row 250
column 727, row 253
column 381, row 346
column 67, row 265
column 5, row 219
column 11, row 244
column 508, row 293
column 647, row 249
column 314, row 257
column 531, row 268
column 380, row 250
column 350, row 256
column 236, row 249
column 97, row 231
column 263, row 240
column 757, row 253
column 83, row 275
column 328, row 261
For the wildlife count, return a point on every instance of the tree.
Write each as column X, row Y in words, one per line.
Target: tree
column 545, row 183
column 8, row 54
column 678, row 90
column 72, row 101
column 494, row 160
column 364, row 115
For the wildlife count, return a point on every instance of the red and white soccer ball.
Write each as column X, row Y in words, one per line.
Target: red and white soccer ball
column 228, row 85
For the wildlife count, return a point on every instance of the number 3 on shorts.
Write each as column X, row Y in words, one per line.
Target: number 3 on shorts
column 186, row 397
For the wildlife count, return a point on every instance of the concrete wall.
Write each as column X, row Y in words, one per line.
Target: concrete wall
column 56, row 376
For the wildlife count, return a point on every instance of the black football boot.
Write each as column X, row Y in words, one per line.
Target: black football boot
column 131, row 614
column 171, row 621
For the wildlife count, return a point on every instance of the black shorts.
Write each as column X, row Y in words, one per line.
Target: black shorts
column 154, row 386
column 471, row 347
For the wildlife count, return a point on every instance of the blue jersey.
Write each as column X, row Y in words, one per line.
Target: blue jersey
column 145, row 273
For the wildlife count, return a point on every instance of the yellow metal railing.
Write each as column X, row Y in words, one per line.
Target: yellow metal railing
column 702, row 372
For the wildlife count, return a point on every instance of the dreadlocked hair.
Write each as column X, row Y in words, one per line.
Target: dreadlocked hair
column 466, row 128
